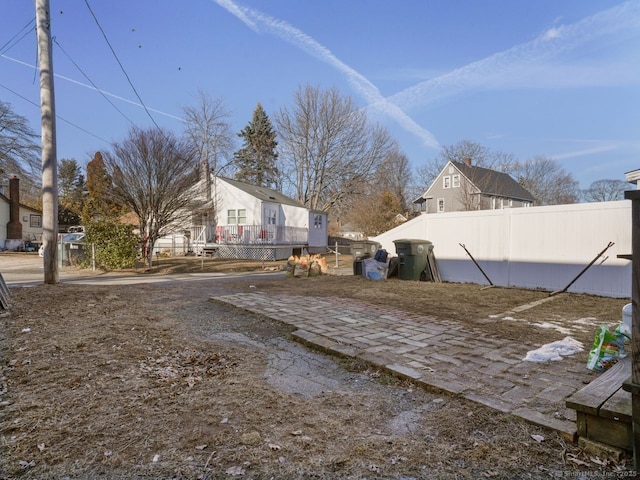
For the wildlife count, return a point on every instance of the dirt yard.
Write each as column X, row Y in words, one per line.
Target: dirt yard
column 154, row 381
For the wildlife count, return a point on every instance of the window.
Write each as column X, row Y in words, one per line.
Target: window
column 440, row 205
column 317, row 220
column 526, row 204
column 237, row 217
column 493, row 203
column 446, row 182
column 456, row 181
column 510, row 203
column 35, row 221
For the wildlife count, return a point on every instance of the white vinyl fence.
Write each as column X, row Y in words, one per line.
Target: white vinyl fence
column 538, row 247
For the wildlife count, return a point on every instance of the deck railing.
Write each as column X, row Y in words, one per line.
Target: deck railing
column 250, row 235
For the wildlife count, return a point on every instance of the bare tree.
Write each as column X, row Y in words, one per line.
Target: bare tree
column 209, row 131
column 394, row 175
column 548, row 182
column 327, row 147
column 155, row 175
column 605, row 190
column 375, row 212
column 384, row 195
column 19, row 153
column 479, row 155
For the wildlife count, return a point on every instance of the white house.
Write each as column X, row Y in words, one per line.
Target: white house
column 245, row 221
column 18, row 223
column 633, row 177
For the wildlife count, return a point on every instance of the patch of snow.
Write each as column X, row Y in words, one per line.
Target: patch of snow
column 555, row 326
column 585, row 321
column 554, row 351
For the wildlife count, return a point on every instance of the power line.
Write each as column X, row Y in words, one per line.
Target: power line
column 120, row 64
column 6, row 47
column 84, row 85
column 57, row 116
column 91, row 82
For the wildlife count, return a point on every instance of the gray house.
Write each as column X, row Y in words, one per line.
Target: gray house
column 461, row 186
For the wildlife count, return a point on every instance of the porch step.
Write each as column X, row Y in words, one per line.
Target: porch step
column 208, row 251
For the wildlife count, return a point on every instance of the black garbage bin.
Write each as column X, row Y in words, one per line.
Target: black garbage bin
column 412, row 258
column 360, row 250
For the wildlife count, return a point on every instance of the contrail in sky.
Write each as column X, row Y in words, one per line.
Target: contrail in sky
column 524, row 65
column 257, row 21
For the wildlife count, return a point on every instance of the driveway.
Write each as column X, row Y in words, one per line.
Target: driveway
column 22, row 269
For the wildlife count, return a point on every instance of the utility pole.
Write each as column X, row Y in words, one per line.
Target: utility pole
column 49, row 156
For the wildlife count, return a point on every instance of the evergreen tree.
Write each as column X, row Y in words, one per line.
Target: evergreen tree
column 71, row 187
column 256, row 160
column 101, row 203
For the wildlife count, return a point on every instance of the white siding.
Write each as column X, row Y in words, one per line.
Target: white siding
column 318, row 235
column 538, row 247
column 229, row 197
column 295, row 216
column 33, row 234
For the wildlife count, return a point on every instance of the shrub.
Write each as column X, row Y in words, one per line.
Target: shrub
column 116, row 246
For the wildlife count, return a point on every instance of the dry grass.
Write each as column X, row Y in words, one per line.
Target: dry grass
column 142, row 381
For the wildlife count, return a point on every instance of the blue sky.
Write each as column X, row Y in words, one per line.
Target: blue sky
column 553, row 78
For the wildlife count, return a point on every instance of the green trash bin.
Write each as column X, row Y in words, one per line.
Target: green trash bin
column 360, row 250
column 412, row 258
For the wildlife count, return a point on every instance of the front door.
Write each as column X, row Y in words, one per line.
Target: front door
column 269, row 221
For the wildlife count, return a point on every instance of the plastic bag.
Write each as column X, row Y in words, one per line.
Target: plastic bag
column 374, row 270
column 607, row 349
column 381, row 256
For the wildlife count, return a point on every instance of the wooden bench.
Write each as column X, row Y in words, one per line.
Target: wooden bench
column 603, row 408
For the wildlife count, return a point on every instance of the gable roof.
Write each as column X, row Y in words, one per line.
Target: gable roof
column 22, row 205
column 263, row 193
column 491, row 182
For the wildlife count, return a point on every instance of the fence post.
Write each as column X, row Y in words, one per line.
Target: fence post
column 634, row 385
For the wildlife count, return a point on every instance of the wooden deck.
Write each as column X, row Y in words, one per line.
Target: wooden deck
column 603, row 408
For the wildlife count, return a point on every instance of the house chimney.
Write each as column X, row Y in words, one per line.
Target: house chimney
column 467, row 161
column 14, row 227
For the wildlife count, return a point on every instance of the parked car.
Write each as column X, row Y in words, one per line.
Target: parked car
column 73, row 239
